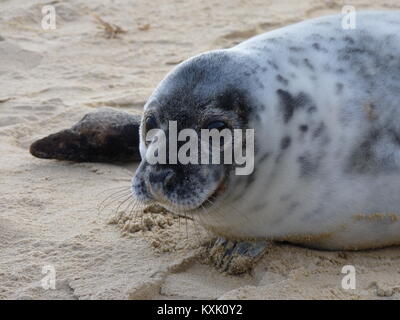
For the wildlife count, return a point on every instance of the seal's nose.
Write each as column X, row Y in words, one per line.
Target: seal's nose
column 162, row 177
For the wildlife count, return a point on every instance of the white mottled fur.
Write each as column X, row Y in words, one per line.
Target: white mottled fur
column 332, row 208
column 356, row 210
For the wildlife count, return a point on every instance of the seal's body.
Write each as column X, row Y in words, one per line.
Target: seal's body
column 325, row 106
column 328, row 163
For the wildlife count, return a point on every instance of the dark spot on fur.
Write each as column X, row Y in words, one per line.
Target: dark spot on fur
column 259, row 83
column 395, row 136
column 293, row 205
column 308, row 165
column 366, row 159
column 312, row 109
column 349, row 40
column 257, row 116
column 273, row 64
column 339, row 88
column 316, row 46
column 264, row 157
column 234, row 100
column 296, row 49
column 319, row 130
column 285, row 142
column 363, row 158
column 275, row 40
column 308, row 64
column 282, row 80
column 316, row 36
column 290, row 103
column 303, row 128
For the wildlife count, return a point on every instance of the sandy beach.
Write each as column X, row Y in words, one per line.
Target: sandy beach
column 114, row 53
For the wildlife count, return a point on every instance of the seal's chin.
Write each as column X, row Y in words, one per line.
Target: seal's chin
column 197, row 208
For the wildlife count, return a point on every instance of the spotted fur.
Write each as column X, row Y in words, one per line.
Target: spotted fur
column 324, row 103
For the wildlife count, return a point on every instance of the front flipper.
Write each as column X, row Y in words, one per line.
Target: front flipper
column 236, row 257
column 104, row 135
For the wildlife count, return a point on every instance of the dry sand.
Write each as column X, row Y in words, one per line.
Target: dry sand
column 48, row 209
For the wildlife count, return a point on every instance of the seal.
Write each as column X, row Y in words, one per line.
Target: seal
column 103, row 135
column 324, row 104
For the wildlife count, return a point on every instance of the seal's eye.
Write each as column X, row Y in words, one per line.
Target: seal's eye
column 150, row 123
column 219, row 125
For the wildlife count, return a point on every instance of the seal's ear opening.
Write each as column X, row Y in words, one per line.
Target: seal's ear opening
column 102, row 136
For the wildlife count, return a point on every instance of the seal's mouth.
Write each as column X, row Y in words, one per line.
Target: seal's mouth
column 214, row 196
column 210, row 200
column 200, row 208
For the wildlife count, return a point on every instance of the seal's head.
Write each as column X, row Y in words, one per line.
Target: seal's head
column 205, row 92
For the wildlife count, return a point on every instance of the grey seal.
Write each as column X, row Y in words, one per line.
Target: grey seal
column 324, row 104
